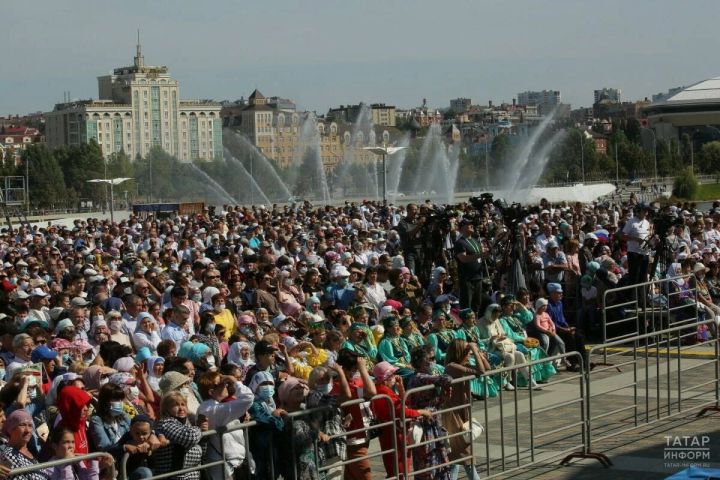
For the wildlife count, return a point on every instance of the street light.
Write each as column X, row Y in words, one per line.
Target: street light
column 112, row 182
column 654, row 147
column 582, row 154
column 384, row 152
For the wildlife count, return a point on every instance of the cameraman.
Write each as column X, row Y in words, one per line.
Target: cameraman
column 409, row 230
column 471, row 268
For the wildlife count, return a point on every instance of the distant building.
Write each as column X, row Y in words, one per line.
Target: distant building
column 545, row 100
column 139, row 107
column 382, row 115
column 612, row 94
column 662, row 96
column 14, row 140
column 694, row 110
column 460, row 105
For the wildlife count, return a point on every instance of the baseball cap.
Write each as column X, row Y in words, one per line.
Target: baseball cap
column 79, row 302
column 554, row 287
column 43, row 353
column 383, row 371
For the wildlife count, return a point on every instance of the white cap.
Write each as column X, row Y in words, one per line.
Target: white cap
column 38, row 292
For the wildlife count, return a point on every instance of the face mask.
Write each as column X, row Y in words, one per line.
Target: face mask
column 210, row 328
column 46, row 278
column 431, row 366
column 23, row 285
column 187, row 271
column 295, row 250
column 266, row 392
column 23, row 271
column 32, row 393
column 133, row 393
column 325, row 389
column 103, row 381
column 127, row 291
column 185, row 391
column 303, row 270
column 96, row 318
column 2, row 373
column 116, row 408
column 219, row 307
column 210, row 361
column 66, row 358
column 115, row 325
column 342, row 281
column 287, row 282
column 247, row 331
column 174, row 267
column 197, row 297
column 446, row 309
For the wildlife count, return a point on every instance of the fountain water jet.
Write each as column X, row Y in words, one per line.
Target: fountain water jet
column 253, row 184
column 218, row 188
column 521, row 161
column 263, row 171
column 309, row 144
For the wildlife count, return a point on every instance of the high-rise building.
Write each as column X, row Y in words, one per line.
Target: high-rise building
column 545, row 100
column 612, row 94
column 139, row 107
column 460, row 105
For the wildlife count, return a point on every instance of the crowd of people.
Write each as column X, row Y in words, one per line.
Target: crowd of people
column 134, row 338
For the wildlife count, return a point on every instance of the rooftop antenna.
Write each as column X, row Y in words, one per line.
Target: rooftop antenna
column 139, row 59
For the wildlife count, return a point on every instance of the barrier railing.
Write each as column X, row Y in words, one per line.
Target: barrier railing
column 55, row 463
column 662, row 352
column 567, row 434
column 637, row 309
column 408, row 449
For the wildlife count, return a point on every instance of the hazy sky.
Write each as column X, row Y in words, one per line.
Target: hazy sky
column 325, row 53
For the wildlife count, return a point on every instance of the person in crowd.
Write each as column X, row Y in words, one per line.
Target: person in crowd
column 146, row 333
column 572, row 338
column 110, row 421
column 463, row 359
column 387, row 382
column 470, row 333
column 184, row 449
column 393, row 348
column 433, row 454
column 270, row 422
column 222, row 411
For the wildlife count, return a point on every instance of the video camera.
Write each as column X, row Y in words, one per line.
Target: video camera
column 663, row 222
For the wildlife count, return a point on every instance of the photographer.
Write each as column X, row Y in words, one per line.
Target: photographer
column 471, row 268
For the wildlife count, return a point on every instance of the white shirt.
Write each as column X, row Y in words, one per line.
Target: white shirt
column 640, row 229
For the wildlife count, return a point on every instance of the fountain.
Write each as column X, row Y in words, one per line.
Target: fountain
column 218, row 188
column 254, row 187
column 437, row 172
column 517, row 168
column 263, row 172
column 309, row 145
column 395, row 168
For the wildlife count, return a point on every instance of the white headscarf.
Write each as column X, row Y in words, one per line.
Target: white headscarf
column 235, row 357
column 153, row 380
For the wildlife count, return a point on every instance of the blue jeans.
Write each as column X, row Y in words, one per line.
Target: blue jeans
column 470, row 471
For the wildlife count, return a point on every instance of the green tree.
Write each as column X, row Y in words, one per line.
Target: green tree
column 156, row 174
column 46, row 182
column 633, row 129
column 709, row 158
column 685, row 185
column 79, row 164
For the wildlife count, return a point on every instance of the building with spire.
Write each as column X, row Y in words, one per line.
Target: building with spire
column 139, row 107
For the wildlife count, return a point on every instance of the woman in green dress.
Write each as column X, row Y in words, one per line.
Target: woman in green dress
column 393, row 348
column 411, row 334
column 512, row 319
column 470, row 333
column 441, row 335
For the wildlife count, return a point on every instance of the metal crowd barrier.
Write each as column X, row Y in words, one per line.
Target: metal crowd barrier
column 658, row 351
column 527, row 439
column 436, row 413
column 55, row 463
column 637, row 309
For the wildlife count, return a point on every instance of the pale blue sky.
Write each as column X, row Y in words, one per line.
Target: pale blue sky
column 325, row 53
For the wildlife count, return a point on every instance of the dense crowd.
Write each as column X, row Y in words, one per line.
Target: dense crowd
column 134, row 338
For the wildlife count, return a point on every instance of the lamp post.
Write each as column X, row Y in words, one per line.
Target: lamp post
column 384, row 152
column 654, row 148
column 582, row 155
column 112, row 182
